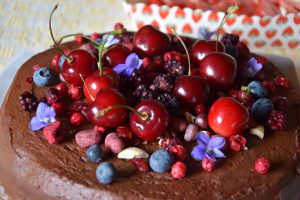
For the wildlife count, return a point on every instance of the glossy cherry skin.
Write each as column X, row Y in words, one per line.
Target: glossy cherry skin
column 110, row 73
column 201, row 48
column 228, row 117
column 156, row 122
column 219, row 69
column 94, row 83
column 149, row 41
column 191, row 90
column 113, row 118
column 115, row 54
column 82, row 62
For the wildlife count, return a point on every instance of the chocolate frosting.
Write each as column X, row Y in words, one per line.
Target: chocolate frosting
column 31, row 168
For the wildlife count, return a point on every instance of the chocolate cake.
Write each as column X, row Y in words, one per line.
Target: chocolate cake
column 31, row 168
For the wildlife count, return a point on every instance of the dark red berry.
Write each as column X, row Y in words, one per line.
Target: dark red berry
column 55, row 61
column 261, row 59
column 124, row 132
column 99, row 129
column 178, row 170
column 67, row 51
column 179, row 152
column 52, row 96
column 243, row 49
column 95, row 36
column 230, row 39
column 62, row 88
column 140, row 164
column 79, row 39
column 262, row 165
column 282, row 82
column 118, row 26
column 77, row 119
column 251, row 122
column 276, row 120
column 237, row 143
column 58, row 107
column 77, row 106
column 280, row 103
column 28, row 101
column 174, row 56
column 75, row 92
column 200, row 109
column 29, row 80
column 54, row 133
column 168, row 142
column 269, row 85
column 202, row 121
column 208, row 164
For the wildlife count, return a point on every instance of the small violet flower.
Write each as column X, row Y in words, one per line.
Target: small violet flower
column 204, row 34
column 208, row 147
column 252, row 68
column 132, row 62
column 110, row 40
column 44, row 116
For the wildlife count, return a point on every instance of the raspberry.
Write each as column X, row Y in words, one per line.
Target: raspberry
column 52, row 96
column 243, row 49
column 208, row 164
column 140, row 164
column 269, row 85
column 230, row 39
column 118, row 26
column 276, row 120
column 280, row 103
column 178, row 170
column 29, row 80
column 124, row 132
column 200, row 109
column 237, row 142
column 95, row 36
column 282, row 82
column 75, row 92
column 77, row 119
column 163, row 83
column 179, row 152
column 35, row 67
column 54, row 132
column 142, row 92
column 262, row 165
column 79, row 39
column 28, row 101
column 99, row 129
column 174, row 68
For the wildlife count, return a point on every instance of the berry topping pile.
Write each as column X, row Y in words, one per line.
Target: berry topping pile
column 128, row 90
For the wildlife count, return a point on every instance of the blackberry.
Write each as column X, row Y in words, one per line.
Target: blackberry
column 163, row 83
column 230, row 39
column 52, row 96
column 28, row 101
column 174, row 68
column 232, row 50
column 169, row 100
column 280, row 103
column 142, row 92
column 136, row 77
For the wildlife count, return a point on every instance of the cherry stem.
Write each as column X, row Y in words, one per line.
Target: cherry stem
column 231, row 9
column 186, row 51
column 79, row 34
column 51, row 33
column 144, row 116
column 90, row 94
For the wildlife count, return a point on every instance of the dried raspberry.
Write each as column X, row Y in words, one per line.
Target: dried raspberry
column 282, row 82
column 230, row 39
column 35, row 67
column 29, row 80
column 75, row 92
column 52, row 96
column 140, row 164
column 262, row 165
column 118, row 26
column 269, row 85
column 179, row 152
column 62, row 88
column 200, row 109
column 55, row 61
column 208, row 164
column 79, row 39
column 261, row 59
column 95, row 36
column 99, row 129
column 178, row 170
column 28, row 101
column 243, row 49
column 162, row 83
column 124, row 132
column 237, row 142
column 280, row 103
column 77, row 119
column 58, row 107
column 54, row 132
column 168, row 142
column 276, row 120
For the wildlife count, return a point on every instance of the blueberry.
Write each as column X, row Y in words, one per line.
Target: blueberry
column 161, row 161
column 106, row 173
column 257, row 89
column 232, row 50
column 61, row 61
column 93, row 153
column 45, row 77
column 261, row 109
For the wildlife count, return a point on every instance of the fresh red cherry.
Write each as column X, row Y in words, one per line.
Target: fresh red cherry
column 191, row 90
column 94, row 83
column 110, row 73
column 116, row 54
column 113, row 118
column 81, row 63
column 219, row 69
column 149, row 41
column 203, row 47
column 155, row 122
column 228, row 117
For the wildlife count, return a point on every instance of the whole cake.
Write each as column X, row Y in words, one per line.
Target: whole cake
column 223, row 121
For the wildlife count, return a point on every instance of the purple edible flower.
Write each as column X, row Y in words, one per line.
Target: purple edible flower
column 44, row 116
column 208, row 147
column 204, row 34
column 132, row 62
column 110, row 40
column 252, row 68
